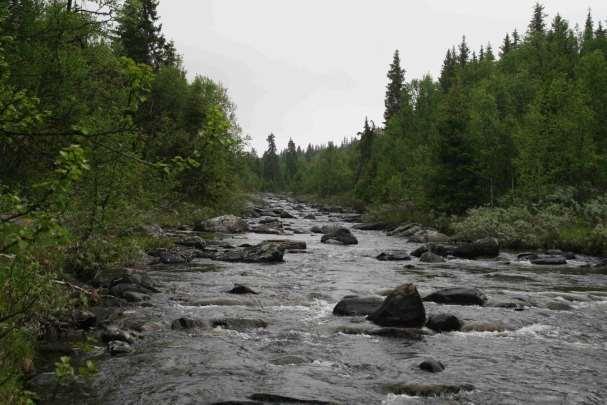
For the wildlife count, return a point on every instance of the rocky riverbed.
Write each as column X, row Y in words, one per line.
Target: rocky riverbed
column 276, row 312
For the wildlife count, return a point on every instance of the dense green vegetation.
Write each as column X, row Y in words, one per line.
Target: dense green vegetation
column 516, row 140
column 100, row 132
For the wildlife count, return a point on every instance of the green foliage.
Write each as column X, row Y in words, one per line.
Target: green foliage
column 100, row 132
column 507, row 134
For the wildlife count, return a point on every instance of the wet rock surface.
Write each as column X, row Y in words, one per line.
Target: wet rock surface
column 355, row 305
column 457, row 296
column 402, row 307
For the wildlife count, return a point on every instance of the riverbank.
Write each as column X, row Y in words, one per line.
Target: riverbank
column 564, row 225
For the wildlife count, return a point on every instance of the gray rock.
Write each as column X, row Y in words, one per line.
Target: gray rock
column 116, row 347
column 193, row 242
column 223, row 224
column 354, row 305
column 265, row 252
column 428, row 235
column 403, row 307
column 239, row 324
column 486, row 247
column 112, row 333
column 405, row 230
column 341, row 235
column 84, row 319
column 427, row 390
column 443, row 323
column 133, row 296
column 394, row 255
column 549, row 261
column 432, row 366
column 241, row 289
column 188, row 323
column 457, row 296
column 288, row 244
column 430, row 257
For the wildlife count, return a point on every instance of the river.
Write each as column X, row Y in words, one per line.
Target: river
column 554, row 351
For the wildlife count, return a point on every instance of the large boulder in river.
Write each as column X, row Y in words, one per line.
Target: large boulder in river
column 353, row 305
column 394, row 255
column 223, row 224
column 486, row 247
column 457, row 296
column 340, row 235
column 403, row 307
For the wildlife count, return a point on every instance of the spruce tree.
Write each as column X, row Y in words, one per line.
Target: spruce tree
column 588, row 35
column 365, row 147
column 506, row 46
column 537, row 24
column 396, row 81
column 447, row 71
column 140, row 35
column 464, row 52
column 271, row 168
column 291, row 161
column 456, row 185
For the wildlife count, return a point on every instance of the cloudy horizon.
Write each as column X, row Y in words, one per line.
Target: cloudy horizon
column 313, row 70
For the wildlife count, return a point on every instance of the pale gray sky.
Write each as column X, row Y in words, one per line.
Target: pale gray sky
column 313, row 69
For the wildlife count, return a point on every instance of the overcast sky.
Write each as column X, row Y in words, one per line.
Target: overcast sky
column 313, row 69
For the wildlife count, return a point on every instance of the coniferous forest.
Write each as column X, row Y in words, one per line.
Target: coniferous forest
column 510, row 140
column 103, row 135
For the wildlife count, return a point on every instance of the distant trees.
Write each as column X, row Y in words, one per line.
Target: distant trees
column 489, row 131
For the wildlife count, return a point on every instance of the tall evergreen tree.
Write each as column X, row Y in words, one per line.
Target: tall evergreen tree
column 588, row 35
column 140, row 35
column 506, row 46
column 448, row 70
column 464, row 52
column 291, row 161
column 396, row 81
column 537, row 25
column 271, row 166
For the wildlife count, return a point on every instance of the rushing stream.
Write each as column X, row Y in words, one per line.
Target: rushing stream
column 554, row 351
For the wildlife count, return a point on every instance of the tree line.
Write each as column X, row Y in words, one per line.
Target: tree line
column 498, row 127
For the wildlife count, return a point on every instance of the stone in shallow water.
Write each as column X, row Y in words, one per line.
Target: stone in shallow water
column 280, row 399
column 432, row 366
column 429, row 257
column 394, row 255
column 427, row 390
column 341, row 235
column 188, row 323
column 241, row 289
column 443, row 323
column 402, row 308
column 116, row 347
column 457, row 296
column 549, row 261
column 354, row 305
column 239, row 324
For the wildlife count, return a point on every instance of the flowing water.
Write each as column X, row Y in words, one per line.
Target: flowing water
column 549, row 356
